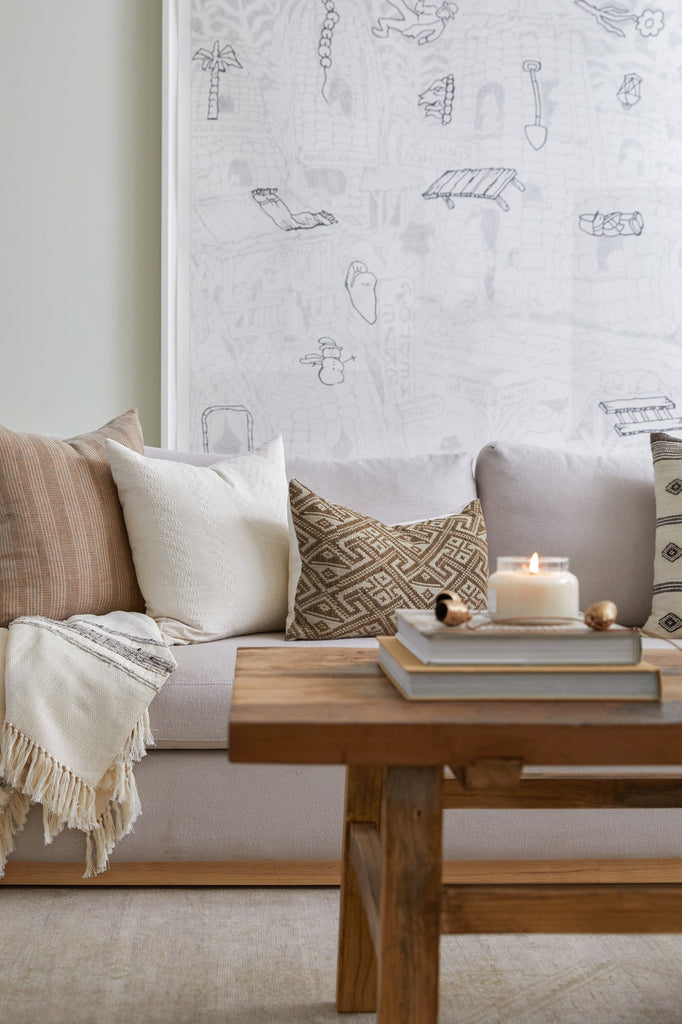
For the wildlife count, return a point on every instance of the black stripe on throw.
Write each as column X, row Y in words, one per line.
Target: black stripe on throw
column 668, row 588
column 136, row 656
column 89, row 639
column 669, row 520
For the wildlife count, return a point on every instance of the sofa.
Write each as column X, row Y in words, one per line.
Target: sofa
column 198, row 808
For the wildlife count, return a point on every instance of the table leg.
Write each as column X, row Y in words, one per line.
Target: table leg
column 411, row 882
column 356, row 979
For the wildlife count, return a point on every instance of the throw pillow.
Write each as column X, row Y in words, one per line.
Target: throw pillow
column 63, row 544
column 348, row 573
column 210, row 543
column 666, row 608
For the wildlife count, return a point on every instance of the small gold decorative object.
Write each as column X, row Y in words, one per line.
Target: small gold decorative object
column 451, row 609
column 601, row 615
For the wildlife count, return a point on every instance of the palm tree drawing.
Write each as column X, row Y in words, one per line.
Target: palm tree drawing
column 217, row 60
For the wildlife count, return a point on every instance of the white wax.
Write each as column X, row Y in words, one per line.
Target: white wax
column 533, row 595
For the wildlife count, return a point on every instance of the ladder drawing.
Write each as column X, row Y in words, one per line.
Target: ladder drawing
column 227, row 429
column 642, row 415
column 474, row 183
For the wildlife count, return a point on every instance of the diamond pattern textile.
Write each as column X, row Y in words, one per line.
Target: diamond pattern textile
column 349, row 572
column 666, row 611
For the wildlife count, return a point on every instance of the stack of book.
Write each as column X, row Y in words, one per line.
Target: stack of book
column 486, row 660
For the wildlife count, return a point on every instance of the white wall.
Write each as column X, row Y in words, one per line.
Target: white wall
column 80, row 209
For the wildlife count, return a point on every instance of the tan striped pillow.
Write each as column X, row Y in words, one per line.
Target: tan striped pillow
column 63, row 544
column 348, row 573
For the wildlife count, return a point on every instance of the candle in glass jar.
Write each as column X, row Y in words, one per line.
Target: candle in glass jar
column 532, row 590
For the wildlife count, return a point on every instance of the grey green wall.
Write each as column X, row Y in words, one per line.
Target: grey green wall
column 80, row 213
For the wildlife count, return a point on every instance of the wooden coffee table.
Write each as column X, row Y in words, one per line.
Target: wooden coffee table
column 335, row 706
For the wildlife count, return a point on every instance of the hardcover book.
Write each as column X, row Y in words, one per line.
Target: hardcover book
column 484, row 642
column 418, row 681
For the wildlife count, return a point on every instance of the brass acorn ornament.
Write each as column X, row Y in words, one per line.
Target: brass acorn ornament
column 601, row 615
column 451, row 609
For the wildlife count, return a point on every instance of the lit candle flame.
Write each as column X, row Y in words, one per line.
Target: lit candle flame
column 534, row 562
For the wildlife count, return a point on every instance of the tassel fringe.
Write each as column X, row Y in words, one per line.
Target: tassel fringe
column 30, row 769
column 32, row 775
column 116, row 821
column 140, row 738
column 13, row 814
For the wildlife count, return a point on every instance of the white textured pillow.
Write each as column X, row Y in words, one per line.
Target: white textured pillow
column 210, row 543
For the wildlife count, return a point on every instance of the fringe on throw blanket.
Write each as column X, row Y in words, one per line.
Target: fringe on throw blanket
column 88, row 665
column 14, row 807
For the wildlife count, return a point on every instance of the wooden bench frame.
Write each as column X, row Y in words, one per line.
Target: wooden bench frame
column 531, row 791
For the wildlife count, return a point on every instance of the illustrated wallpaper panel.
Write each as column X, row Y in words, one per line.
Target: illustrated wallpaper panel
column 417, row 225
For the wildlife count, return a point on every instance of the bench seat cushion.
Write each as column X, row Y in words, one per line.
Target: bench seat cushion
column 191, row 710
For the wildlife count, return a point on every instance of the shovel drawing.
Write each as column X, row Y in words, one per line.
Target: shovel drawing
column 536, row 133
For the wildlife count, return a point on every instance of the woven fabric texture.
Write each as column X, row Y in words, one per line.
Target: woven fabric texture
column 210, row 543
column 349, row 572
column 63, row 544
column 666, row 608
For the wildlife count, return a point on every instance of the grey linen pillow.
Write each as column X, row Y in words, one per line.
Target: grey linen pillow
column 599, row 510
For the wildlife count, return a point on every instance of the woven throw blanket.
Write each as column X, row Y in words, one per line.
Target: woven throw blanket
column 74, row 708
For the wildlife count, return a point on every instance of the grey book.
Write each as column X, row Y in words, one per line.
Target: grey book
column 483, row 642
column 418, row 681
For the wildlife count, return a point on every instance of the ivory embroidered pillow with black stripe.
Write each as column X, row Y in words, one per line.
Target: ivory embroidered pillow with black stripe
column 348, row 572
column 666, row 609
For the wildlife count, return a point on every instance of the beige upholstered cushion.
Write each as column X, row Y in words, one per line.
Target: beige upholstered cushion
column 348, row 572
column 63, row 544
column 191, row 709
column 666, row 609
column 210, row 543
column 391, row 488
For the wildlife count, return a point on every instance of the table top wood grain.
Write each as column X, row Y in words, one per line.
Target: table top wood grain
column 336, row 706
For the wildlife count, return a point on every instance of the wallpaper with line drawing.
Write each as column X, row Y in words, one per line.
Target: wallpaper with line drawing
column 418, row 225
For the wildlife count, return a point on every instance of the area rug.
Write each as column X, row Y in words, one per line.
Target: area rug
column 268, row 956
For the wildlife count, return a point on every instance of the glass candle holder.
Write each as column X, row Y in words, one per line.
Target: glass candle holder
column 533, row 590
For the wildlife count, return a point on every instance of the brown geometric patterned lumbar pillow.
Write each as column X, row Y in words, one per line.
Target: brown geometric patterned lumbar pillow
column 666, row 610
column 63, row 544
column 348, row 573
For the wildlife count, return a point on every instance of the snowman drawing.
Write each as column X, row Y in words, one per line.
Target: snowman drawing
column 329, row 361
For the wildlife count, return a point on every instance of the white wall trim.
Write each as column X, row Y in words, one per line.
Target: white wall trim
column 172, row 224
